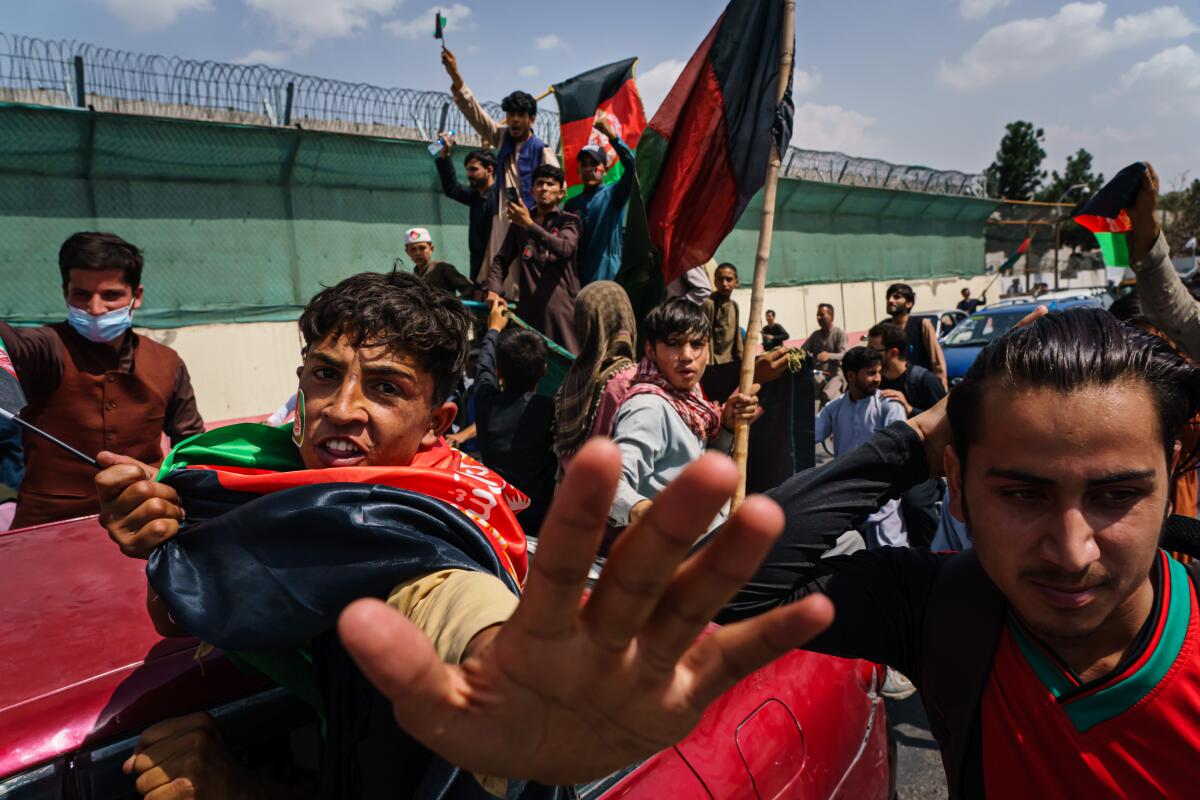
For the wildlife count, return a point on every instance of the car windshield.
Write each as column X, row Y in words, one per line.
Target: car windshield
column 980, row 329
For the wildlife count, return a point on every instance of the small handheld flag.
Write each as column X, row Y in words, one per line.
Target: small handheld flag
column 12, row 400
column 439, row 26
column 1105, row 215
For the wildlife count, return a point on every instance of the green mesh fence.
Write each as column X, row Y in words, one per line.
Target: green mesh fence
column 244, row 223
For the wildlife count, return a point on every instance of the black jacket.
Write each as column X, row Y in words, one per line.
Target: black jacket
column 482, row 209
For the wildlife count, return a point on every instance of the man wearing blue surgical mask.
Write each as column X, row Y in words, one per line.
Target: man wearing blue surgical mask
column 94, row 383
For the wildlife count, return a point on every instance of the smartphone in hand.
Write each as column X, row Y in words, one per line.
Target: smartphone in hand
column 512, row 194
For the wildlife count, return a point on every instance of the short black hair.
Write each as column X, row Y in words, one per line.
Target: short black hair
column 547, row 171
column 521, row 358
column 674, row 319
column 860, row 357
column 726, row 265
column 902, row 289
column 100, row 251
column 771, row 311
column 519, row 103
column 826, row 305
column 1071, row 350
column 397, row 310
column 891, row 336
column 1128, row 309
column 965, row 290
column 484, row 156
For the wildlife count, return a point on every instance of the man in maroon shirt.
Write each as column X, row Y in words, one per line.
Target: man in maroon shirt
column 93, row 382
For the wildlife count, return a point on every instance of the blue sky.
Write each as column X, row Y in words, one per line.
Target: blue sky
column 928, row 82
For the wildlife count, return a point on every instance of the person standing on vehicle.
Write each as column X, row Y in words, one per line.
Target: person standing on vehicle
column 94, row 383
column 826, row 346
column 479, row 196
column 916, row 389
column 601, row 207
column 923, row 347
column 520, row 149
column 852, row 419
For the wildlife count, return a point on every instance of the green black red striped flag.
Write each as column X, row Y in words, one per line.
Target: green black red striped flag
column 704, row 155
column 608, row 92
column 1105, row 215
column 12, row 396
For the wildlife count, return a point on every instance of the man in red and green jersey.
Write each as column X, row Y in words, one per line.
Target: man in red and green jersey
column 1059, row 658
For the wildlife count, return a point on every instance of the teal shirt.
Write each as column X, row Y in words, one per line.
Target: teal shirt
column 603, row 212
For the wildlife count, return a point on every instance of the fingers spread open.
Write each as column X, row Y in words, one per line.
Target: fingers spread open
column 399, row 660
column 722, row 659
column 708, row 579
column 644, row 559
column 568, row 541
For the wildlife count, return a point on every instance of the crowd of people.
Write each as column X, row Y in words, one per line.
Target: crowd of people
column 1085, row 631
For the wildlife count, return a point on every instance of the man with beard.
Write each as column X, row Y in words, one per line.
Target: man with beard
column 923, row 347
column 480, row 198
column 601, row 206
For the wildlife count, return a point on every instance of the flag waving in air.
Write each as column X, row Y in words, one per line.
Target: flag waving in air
column 704, row 155
column 607, row 92
column 1105, row 215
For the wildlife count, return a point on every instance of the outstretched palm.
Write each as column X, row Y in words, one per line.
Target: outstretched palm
column 567, row 691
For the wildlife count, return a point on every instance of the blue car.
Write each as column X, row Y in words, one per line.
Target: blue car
column 968, row 337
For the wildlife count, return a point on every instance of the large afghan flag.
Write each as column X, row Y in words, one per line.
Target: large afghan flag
column 12, row 396
column 605, row 92
column 704, row 155
column 1106, row 217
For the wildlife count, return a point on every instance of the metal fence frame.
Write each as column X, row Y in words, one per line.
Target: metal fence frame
column 80, row 74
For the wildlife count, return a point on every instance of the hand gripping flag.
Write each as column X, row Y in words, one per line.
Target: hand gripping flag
column 607, row 92
column 1106, row 217
column 12, row 396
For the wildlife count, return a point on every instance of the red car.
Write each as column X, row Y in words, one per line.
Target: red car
column 82, row 673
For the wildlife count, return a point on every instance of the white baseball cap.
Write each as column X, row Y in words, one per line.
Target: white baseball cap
column 417, row 235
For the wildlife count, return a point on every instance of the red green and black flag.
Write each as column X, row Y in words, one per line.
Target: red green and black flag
column 1105, row 215
column 704, row 155
column 607, row 92
column 1012, row 260
column 439, row 25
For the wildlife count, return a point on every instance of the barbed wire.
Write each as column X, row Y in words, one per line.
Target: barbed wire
column 48, row 72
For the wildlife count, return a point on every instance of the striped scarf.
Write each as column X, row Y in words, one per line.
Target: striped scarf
column 699, row 413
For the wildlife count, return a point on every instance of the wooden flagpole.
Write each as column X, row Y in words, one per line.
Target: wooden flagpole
column 741, row 434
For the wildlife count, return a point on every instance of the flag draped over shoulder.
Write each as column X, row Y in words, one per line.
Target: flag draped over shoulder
column 12, row 396
column 271, row 552
column 1105, row 216
column 608, row 92
column 704, row 155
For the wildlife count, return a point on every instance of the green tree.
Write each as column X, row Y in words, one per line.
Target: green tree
column 1078, row 172
column 1017, row 171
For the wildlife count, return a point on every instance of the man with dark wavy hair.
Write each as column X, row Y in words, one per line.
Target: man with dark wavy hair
column 1061, row 656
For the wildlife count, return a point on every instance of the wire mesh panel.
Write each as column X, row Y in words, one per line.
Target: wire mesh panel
column 39, row 71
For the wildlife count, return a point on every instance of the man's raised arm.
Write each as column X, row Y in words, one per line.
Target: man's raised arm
column 487, row 128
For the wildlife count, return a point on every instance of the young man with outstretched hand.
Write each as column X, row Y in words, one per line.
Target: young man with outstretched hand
column 461, row 662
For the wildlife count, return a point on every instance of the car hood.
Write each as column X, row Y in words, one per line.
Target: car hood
column 959, row 359
column 80, row 657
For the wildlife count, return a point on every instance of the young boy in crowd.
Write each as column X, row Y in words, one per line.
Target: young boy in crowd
column 513, row 423
column 666, row 422
column 724, row 318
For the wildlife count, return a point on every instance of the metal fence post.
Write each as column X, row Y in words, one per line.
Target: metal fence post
column 80, row 89
column 287, row 104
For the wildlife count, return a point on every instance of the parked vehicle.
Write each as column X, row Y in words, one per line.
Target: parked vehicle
column 943, row 321
column 84, row 672
column 970, row 336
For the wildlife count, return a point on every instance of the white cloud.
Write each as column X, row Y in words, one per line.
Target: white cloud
column 1177, row 68
column 302, row 22
column 272, row 58
column 550, row 41
column 820, row 127
column 1035, row 47
column 458, row 18
column 974, row 9
column 805, row 81
column 654, row 83
column 149, row 15
column 528, row 71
